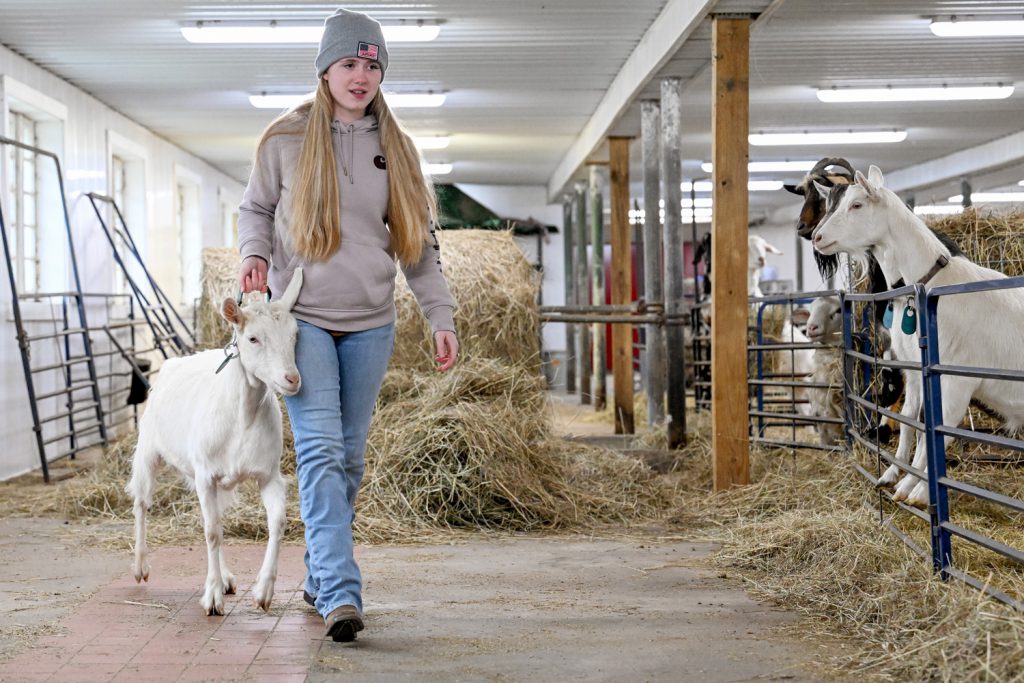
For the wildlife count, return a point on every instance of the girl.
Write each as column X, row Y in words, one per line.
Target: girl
column 337, row 188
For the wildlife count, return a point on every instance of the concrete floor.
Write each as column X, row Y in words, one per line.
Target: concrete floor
column 611, row 608
column 543, row 608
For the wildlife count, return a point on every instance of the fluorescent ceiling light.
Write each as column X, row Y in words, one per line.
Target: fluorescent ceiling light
column 414, row 99
column 957, row 28
column 768, row 166
column 982, row 92
column 686, row 202
column 278, row 101
column 752, row 185
column 431, row 142
column 937, row 209
column 437, row 169
column 1021, row 182
column 983, row 197
column 276, row 32
column 833, row 138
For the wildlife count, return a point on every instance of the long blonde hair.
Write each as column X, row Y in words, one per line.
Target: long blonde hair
column 315, row 230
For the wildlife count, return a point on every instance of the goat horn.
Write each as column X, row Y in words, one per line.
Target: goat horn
column 819, row 168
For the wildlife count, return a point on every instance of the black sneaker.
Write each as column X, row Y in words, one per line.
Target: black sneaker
column 343, row 624
column 310, row 600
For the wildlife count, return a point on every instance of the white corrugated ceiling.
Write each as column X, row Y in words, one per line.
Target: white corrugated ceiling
column 525, row 77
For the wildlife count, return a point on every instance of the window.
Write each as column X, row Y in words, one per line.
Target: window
column 117, row 181
column 190, row 233
column 23, row 203
column 29, row 189
column 126, row 173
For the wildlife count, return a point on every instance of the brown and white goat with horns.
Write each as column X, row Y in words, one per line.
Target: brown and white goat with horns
column 218, row 423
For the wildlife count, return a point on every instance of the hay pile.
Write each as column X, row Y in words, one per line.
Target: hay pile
column 493, row 283
column 220, row 281
column 992, row 239
column 496, row 290
column 801, row 537
column 470, row 449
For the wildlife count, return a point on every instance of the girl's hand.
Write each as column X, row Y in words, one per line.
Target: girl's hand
column 447, row 349
column 252, row 276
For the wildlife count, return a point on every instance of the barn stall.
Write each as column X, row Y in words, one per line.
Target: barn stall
column 741, row 457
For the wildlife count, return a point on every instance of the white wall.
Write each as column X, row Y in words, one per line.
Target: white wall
column 85, row 160
column 785, row 238
column 530, row 201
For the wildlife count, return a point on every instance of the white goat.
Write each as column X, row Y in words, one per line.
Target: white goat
column 973, row 332
column 219, row 426
column 796, row 364
column 825, row 325
column 757, row 249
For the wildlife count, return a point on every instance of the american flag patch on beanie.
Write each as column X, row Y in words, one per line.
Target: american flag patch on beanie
column 367, row 50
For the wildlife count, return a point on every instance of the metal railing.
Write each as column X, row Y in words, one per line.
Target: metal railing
column 934, row 431
column 779, row 398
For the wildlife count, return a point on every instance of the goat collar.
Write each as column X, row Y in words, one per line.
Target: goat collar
column 230, row 351
column 940, row 263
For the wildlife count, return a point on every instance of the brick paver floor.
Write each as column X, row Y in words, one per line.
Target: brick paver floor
column 157, row 631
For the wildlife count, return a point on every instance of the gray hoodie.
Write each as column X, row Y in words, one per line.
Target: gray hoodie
column 354, row 289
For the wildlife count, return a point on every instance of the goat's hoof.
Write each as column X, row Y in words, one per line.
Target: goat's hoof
column 903, row 490
column 262, row 594
column 919, row 496
column 889, row 477
column 141, row 573
column 213, row 605
column 230, row 585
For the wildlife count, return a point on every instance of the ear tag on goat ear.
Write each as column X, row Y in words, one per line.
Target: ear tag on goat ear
column 887, row 317
column 909, row 322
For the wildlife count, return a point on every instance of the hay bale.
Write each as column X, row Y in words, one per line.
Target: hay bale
column 495, row 288
column 467, row 450
column 991, row 239
column 493, row 284
column 220, row 281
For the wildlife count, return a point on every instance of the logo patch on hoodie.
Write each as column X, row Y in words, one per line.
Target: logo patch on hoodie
column 380, row 163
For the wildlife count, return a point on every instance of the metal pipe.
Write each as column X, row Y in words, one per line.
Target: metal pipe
column 654, row 368
column 583, row 290
column 597, row 297
column 570, row 295
column 675, row 302
column 606, row 319
column 636, row 307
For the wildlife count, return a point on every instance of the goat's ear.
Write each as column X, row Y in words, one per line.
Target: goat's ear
column 232, row 312
column 875, row 176
column 291, row 294
column 822, row 189
column 866, row 183
column 771, row 249
column 800, row 316
column 795, row 189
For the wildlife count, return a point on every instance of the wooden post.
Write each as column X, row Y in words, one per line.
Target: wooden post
column 622, row 291
column 729, row 128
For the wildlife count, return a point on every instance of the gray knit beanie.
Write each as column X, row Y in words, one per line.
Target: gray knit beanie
column 351, row 34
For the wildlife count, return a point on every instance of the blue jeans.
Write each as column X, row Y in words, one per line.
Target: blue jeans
column 330, row 416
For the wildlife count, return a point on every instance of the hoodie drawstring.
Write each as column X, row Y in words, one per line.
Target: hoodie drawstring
column 348, row 166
